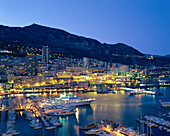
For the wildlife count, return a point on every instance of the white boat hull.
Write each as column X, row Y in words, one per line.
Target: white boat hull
column 79, row 103
column 52, row 127
column 64, row 114
column 165, row 104
column 74, row 100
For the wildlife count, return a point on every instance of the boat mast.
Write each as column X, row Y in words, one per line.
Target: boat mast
column 43, row 132
column 138, row 130
column 143, row 127
column 150, row 127
column 147, row 127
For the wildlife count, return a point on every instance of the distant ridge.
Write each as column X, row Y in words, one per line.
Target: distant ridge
column 68, row 44
column 168, row 56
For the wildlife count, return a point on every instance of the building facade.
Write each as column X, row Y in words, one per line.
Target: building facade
column 31, row 65
column 85, row 62
column 45, row 54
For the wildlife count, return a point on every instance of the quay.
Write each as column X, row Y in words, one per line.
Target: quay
column 37, row 113
column 152, row 121
column 2, row 121
column 16, row 109
column 49, row 89
column 112, row 132
column 29, row 92
column 44, row 121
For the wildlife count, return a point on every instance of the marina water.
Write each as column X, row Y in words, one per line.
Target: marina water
column 120, row 107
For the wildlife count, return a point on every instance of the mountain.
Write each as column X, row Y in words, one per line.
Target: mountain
column 168, row 56
column 68, row 44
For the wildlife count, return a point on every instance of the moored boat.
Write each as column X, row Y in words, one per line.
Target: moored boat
column 50, row 127
column 38, row 127
column 92, row 131
column 165, row 104
column 11, row 132
column 63, row 113
column 74, row 100
column 88, row 127
column 136, row 92
column 104, row 91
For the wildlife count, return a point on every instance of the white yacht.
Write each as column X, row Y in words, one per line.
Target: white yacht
column 92, row 131
column 165, row 104
column 74, row 100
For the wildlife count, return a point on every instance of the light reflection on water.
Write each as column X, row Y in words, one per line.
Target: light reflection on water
column 76, row 128
column 77, row 114
column 119, row 107
column 21, row 112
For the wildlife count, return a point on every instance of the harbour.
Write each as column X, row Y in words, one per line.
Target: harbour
column 79, row 68
column 119, row 107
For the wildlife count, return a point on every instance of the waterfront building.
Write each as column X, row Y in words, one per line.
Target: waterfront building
column 28, row 81
column 49, row 73
column 18, row 69
column 75, row 69
column 2, row 67
column 42, row 67
column 60, row 63
column 3, row 78
column 45, row 54
column 4, row 86
column 107, row 65
column 10, row 77
column 83, row 84
column 9, row 71
column 85, row 62
column 31, row 65
column 64, row 74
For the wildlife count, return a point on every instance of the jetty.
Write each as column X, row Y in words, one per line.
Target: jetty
column 44, row 121
column 2, row 121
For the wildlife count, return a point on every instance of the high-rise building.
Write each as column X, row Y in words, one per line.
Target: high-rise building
column 45, row 54
column 31, row 65
column 85, row 61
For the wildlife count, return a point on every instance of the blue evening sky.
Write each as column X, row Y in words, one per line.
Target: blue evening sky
column 142, row 24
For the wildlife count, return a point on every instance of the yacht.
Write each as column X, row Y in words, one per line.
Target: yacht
column 64, row 112
column 92, row 131
column 168, row 130
column 128, row 89
column 55, row 122
column 101, row 133
column 58, row 110
column 51, row 127
column 88, row 127
column 165, row 104
column 150, row 92
column 11, row 132
column 102, row 91
column 136, row 92
column 74, row 100
column 37, row 126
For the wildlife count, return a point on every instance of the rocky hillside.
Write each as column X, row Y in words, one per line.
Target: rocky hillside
column 68, row 44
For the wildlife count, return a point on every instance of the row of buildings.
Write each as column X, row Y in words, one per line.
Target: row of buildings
column 39, row 70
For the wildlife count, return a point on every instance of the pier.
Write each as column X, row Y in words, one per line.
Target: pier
column 2, row 121
column 15, row 109
column 37, row 113
column 44, row 121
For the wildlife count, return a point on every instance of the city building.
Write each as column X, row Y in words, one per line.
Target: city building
column 31, row 65
column 45, row 54
column 85, row 62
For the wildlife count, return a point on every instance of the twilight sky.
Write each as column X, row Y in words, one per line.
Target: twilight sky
column 142, row 24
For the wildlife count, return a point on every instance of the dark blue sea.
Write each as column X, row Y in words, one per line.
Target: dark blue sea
column 119, row 107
